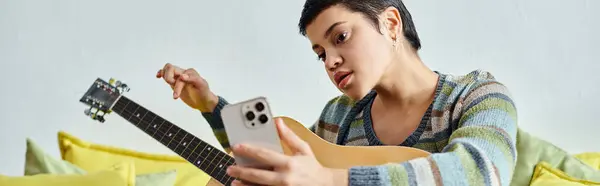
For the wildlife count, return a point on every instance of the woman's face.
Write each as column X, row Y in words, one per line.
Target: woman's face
column 354, row 52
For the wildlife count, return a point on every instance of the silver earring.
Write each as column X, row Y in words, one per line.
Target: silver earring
column 395, row 41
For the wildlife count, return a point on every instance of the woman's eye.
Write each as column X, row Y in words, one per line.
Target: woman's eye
column 341, row 38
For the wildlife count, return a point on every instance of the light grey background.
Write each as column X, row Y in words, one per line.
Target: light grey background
column 545, row 51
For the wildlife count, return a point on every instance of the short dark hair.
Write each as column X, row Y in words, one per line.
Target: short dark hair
column 370, row 8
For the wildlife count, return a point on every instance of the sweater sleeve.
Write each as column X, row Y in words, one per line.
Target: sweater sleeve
column 481, row 151
column 216, row 124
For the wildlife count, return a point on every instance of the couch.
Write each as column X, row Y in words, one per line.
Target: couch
column 85, row 163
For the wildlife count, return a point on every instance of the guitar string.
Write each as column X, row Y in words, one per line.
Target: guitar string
column 219, row 174
column 211, row 163
column 177, row 137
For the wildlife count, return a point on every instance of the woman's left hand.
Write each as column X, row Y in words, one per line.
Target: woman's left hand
column 302, row 168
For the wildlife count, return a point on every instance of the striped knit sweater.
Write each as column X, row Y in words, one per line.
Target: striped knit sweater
column 470, row 129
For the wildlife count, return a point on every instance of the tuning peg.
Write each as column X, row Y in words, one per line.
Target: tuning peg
column 88, row 111
column 97, row 115
column 100, row 118
column 125, row 87
column 112, row 81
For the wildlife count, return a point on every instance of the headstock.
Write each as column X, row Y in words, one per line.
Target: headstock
column 101, row 97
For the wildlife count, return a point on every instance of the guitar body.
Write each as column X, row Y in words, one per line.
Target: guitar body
column 343, row 157
column 107, row 97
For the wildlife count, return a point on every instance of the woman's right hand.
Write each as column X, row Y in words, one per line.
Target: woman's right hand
column 188, row 85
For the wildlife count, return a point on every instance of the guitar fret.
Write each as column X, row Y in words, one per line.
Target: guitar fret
column 158, row 129
column 228, row 182
column 125, row 106
column 206, row 162
column 127, row 110
column 141, row 119
column 215, row 166
column 201, row 154
column 150, row 121
column 188, row 144
column 196, row 151
column 173, row 137
column 181, row 144
column 147, row 123
column 192, row 152
column 211, row 163
column 134, row 120
column 133, row 113
column 218, row 167
column 199, row 162
column 151, row 128
column 222, row 173
column 163, row 135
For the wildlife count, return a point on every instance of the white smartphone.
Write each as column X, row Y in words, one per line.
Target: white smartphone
column 251, row 122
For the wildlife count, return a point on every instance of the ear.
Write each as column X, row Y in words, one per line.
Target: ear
column 392, row 22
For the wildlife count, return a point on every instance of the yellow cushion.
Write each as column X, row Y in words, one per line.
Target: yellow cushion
column 121, row 174
column 545, row 175
column 92, row 157
column 39, row 162
column 590, row 158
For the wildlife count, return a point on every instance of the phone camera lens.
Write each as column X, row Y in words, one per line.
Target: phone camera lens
column 259, row 106
column 250, row 115
column 263, row 119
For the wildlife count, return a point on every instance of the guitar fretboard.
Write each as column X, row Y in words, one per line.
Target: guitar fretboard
column 206, row 157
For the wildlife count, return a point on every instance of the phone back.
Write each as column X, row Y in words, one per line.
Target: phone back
column 251, row 122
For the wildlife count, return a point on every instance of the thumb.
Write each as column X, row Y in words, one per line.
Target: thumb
column 291, row 139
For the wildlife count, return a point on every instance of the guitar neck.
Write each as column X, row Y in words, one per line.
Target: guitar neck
column 206, row 157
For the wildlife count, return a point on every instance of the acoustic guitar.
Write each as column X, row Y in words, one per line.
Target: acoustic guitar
column 107, row 97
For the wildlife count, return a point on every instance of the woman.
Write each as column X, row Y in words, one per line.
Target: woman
column 369, row 50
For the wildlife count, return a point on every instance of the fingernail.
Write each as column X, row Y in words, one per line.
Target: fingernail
column 230, row 171
column 174, row 94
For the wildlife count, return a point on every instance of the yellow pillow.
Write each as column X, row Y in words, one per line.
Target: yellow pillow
column 121, row 174
column 545, row 175
column 590, row 158
column 93, row 157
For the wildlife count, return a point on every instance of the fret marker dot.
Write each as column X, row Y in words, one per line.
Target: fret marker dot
column 208, row 148
column 198, row 162
column 154, row 126
column 184, row 143
column 137, row 115
column 220, row 166
column 169, row 134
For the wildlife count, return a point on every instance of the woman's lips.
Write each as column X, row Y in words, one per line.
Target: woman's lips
column 343, row 80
